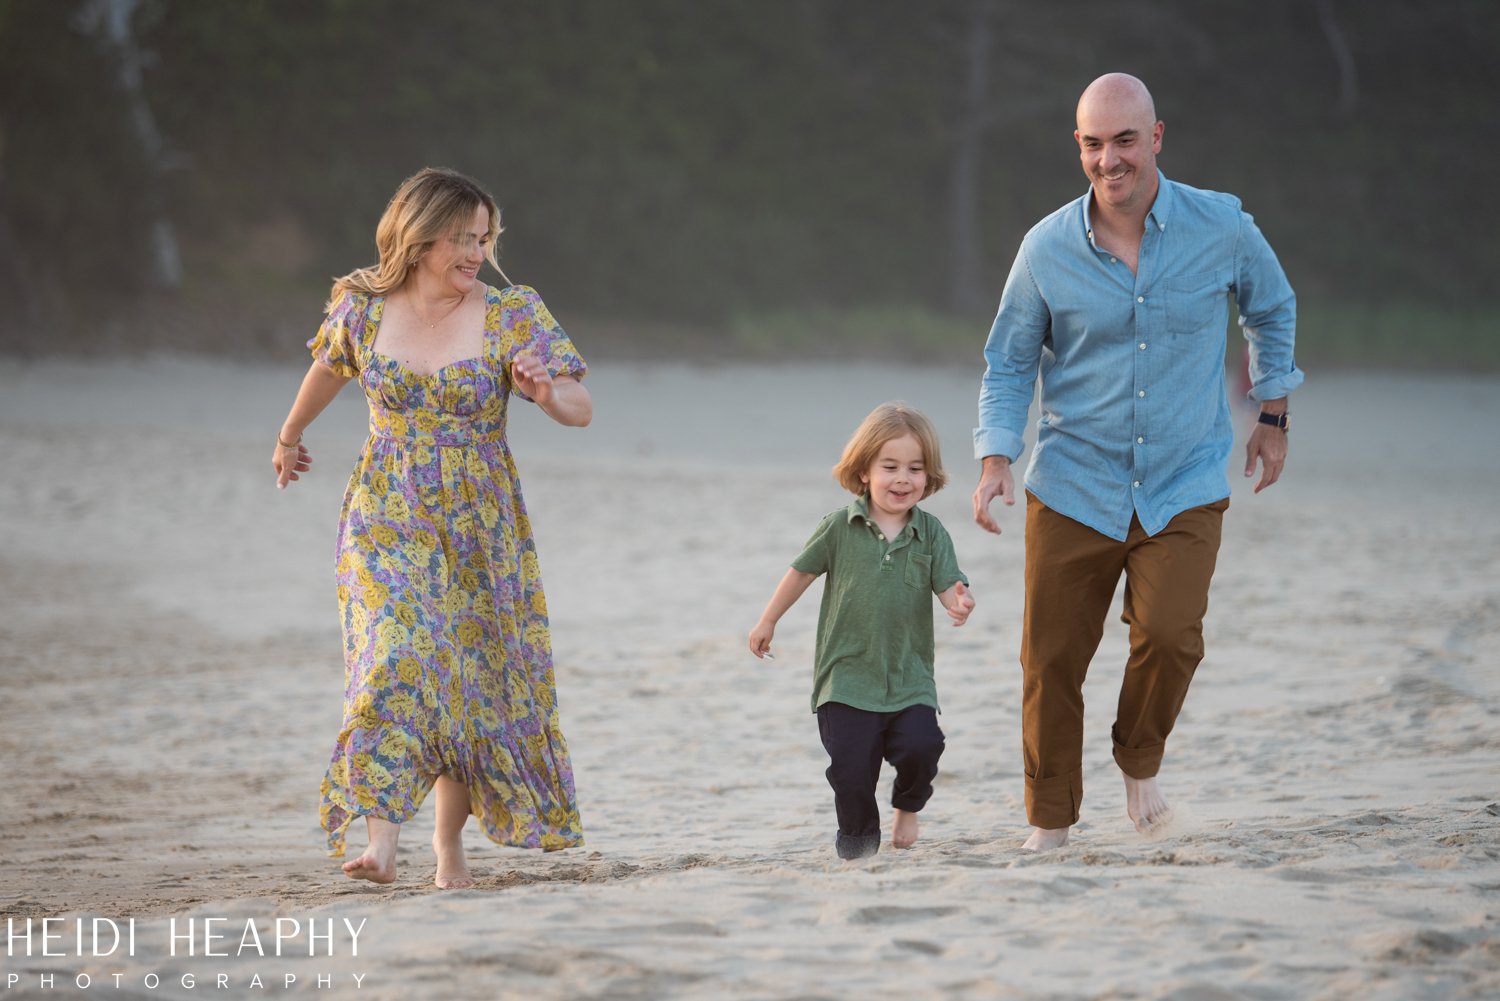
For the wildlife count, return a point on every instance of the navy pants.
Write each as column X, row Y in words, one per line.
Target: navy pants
column 857, row 741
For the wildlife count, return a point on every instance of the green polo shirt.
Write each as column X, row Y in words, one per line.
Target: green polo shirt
column 874, row 647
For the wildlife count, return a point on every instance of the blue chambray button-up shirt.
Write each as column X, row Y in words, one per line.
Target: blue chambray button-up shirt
column 1134, row 409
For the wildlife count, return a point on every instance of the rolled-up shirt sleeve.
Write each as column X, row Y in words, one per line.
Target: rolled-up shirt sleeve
column 1268, row 314
column 1011, row 354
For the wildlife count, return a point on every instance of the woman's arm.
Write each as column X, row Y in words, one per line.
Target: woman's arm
column 291, row 457
column 562, row 398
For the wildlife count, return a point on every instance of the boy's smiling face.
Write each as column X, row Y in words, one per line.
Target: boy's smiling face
column 897, row 478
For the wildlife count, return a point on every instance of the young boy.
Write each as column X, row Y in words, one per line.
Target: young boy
column 873, row 688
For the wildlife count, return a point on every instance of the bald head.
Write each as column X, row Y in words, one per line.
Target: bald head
column 1118, row 139
column 1117, row 95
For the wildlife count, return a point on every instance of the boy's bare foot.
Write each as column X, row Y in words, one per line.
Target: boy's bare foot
column 903, row 829
column 1045, row 838
column 373, row 865
column 452, row 867
column 1145, row 804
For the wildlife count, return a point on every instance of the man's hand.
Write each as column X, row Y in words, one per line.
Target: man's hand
column 1268, row 445
column 994, row 481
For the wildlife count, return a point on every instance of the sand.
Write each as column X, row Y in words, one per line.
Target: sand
column 170, row 679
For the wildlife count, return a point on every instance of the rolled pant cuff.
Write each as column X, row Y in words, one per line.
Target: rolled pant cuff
column 855, row 846
column 1053, row 802
column 908, row 803
column 1139, row 762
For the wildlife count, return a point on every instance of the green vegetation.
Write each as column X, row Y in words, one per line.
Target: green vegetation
column 727, row 177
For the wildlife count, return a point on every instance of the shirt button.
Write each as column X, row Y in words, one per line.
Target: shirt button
column 1114, row 260
column 880, row 537
column 1136, row 483
column 1143, row 345
column 888, row 556
column 1140, row 298
column 1140, row 441
column 1141, row 393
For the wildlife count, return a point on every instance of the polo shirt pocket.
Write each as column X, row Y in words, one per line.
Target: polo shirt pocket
column 1196, row 303
column 919, row 571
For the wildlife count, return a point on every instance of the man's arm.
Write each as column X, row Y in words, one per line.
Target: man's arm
column 1012, row 356
column 1268, row 315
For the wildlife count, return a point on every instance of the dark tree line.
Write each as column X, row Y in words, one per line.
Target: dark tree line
column 690, row 161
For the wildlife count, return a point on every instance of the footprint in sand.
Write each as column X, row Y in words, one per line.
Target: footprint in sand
column 899, row 915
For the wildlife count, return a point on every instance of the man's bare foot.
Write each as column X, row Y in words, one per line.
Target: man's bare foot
column 374, row 865
column 452, row 867
column 1145, row 804
column 904, row 829
column 1045, row 838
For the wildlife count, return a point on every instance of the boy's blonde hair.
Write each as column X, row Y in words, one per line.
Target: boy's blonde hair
column 888, row 422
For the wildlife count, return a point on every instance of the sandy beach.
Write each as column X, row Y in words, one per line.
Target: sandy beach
column 170, row 678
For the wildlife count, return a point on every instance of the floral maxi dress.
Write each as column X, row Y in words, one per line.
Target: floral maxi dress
column 448, row 657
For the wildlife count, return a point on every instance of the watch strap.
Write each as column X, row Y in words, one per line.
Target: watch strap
column 1281, row 421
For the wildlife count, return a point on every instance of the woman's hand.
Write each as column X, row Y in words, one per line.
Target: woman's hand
column 532, row 378
column 288, row 461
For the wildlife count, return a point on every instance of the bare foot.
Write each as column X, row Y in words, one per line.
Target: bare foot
column 1145, row 804
column 903, row 829
column 374, row 865
column 1045, row 838
column 452, row 867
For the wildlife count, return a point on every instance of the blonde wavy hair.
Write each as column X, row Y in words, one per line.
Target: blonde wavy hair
column 888, row 422
column 431, row 205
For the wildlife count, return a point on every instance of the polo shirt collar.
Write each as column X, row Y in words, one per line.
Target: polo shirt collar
column 860, row 508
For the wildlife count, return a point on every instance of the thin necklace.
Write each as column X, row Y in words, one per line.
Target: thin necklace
column 412, row 301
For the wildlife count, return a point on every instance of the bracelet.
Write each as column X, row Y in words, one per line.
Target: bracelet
column 284, row 444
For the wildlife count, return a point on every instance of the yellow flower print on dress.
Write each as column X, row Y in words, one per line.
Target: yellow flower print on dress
column 394, row 634
column 397, row 508
column 408, row 669
column 406, row 614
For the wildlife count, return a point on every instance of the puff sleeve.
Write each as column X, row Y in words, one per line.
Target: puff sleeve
column 336, row 342
column 527, row 324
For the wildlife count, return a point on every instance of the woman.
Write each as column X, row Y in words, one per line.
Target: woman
column 448, row 660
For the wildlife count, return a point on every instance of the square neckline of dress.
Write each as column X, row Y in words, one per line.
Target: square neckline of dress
column 491, row 295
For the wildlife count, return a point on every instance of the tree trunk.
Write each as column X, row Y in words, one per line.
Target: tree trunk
column 965, row 289
column 1343, row 57
column 109, row 21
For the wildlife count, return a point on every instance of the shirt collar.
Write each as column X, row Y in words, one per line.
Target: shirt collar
column 860, row 508
column 1166, row 196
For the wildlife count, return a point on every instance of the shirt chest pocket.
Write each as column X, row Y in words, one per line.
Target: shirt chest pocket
column 919, row 571
column 1196, row 304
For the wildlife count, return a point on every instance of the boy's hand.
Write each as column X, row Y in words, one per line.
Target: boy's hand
column 960, row 605
column 760, row 639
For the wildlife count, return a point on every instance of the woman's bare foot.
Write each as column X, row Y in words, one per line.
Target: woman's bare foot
column 453, row 808
column 903, row 829
column 378, row 863
column 452, row 867
column 1045, row 838
column 1145, row 804
column 372, row 866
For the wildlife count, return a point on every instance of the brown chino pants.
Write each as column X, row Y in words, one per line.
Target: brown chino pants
column 1071, row 573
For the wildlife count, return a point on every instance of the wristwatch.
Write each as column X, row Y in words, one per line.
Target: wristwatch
column 1281, row 420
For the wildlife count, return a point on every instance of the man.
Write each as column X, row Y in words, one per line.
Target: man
column 1120, row 301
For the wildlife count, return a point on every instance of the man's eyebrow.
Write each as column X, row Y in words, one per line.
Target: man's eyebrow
column 1128, row 133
